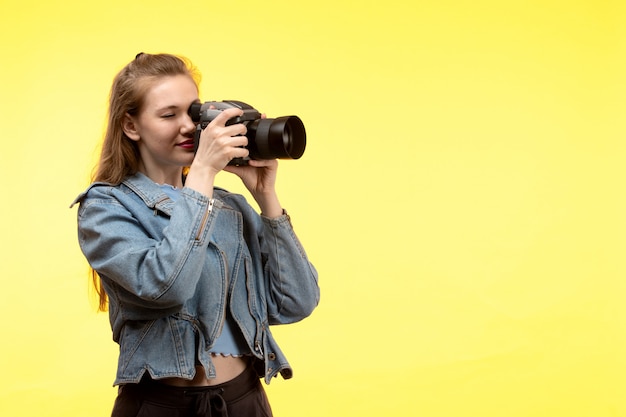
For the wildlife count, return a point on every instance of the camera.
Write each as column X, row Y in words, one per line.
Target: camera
column 282, row 138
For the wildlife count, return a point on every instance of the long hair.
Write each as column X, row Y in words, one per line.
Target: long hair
column 119, row 157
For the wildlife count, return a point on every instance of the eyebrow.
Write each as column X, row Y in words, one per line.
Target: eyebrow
column 173, row 106
column 170, row 107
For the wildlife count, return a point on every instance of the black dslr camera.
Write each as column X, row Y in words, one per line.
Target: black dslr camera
column 282, row 138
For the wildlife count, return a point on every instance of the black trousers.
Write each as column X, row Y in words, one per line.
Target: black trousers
column 242, row 396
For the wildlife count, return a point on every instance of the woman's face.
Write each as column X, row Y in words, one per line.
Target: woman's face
column 163, row 130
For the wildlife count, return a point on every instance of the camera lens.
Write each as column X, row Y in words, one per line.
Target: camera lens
column 283, row 138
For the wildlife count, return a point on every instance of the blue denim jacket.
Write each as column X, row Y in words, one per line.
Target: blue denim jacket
column 171, row 270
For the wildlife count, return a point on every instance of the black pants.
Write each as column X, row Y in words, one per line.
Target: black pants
column 242, row 396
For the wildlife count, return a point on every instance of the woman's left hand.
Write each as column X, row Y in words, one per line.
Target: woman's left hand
column 259, row 177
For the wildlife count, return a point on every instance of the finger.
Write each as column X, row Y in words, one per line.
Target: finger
column 224, row 116
column 236, row 141
column 259, row 163
column 236, row 131
column 238, row 152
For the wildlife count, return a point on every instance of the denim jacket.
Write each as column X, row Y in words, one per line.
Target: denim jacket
column 171, row 269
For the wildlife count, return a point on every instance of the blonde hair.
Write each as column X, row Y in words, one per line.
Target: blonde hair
column 119, row 157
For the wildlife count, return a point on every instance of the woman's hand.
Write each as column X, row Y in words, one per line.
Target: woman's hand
column 259, row 177
column 217, row 146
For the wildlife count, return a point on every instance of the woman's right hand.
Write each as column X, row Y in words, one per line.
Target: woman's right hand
column 217, row 146
column 219, row 143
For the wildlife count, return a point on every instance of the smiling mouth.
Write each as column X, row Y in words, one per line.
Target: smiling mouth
column 188, row 144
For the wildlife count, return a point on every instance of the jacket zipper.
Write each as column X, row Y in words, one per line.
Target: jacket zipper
column 207, row 213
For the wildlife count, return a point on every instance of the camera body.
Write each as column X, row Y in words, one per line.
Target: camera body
column 282, row 138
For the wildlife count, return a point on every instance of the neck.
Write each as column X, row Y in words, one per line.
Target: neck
column 172, row 176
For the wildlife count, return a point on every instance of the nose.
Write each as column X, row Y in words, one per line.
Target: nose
column 188, row 125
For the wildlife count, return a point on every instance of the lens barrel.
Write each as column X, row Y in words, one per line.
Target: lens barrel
column 282, row 138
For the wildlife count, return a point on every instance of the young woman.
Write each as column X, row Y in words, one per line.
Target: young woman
column 192, row 275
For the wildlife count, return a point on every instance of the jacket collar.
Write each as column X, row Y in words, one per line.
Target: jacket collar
column 149, row 192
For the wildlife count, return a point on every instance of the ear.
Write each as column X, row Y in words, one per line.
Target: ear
column 129, row 127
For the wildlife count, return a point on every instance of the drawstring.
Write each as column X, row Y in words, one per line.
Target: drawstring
column 209, row 403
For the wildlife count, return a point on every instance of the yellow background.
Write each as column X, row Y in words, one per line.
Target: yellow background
column 461, row 195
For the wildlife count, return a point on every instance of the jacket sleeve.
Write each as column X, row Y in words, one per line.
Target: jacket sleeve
column 155, row 272
column 291, row 279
